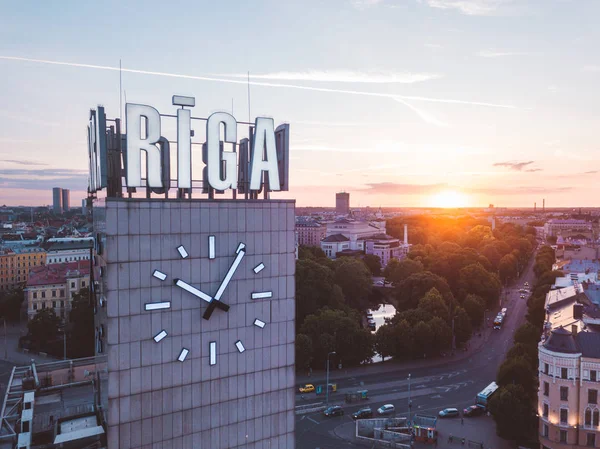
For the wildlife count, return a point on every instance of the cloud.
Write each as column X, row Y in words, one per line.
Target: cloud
column 392, row 188
column 426, row 116
column 433, row 45
column 343, row 76
column 471, row 7
column 13, row 161
column 263, row 84
column 591, row 68
column 517, row 166
column 591, row 172
column 518, row 190
column 364, row 4
column 24, row 119
column 43, row 178
column 531, row 170
column 499, row 54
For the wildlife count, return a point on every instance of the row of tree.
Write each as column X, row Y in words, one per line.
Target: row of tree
column 514, row 405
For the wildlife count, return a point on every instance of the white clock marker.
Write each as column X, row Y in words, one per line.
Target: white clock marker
column 257, row 269
column 158, row 337
column 259, row 323
column 159, row 275
column 240, row 247
column 240, row 346
column 182, row 252
column 213, row 352
column 183, row 355
column 157, row 305
column 211, row 246
column 262, row 295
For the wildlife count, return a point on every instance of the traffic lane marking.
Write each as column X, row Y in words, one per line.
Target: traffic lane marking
column 310, row 419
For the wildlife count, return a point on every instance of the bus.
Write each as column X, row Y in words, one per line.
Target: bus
column 499, row 320
column 484, row 396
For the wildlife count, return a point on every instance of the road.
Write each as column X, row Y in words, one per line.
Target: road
column 454, row 384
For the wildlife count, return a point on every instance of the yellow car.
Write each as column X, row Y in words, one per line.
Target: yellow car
column 308, row 388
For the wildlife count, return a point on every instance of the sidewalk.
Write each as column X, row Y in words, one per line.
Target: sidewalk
column 475, row 345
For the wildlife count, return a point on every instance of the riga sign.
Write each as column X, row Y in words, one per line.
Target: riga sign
column 266, row 164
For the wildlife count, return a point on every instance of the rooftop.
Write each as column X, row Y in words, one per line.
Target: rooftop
column 58, row 273
column 335, row 238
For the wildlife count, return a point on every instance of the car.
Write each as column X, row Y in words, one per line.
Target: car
column 308, row 388
column 334, row 410
column 526, row 284
column 363, row 413
column 448, row 413
column 522, row 296
column 473, row 410
column 386, row 409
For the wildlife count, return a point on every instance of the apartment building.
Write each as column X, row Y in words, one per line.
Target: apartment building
column 15, row 264
column 569, row 368
column 556, row 226
column 53, row 286
column 310, row 231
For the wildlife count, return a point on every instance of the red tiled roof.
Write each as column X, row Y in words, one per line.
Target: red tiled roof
column 57, row 273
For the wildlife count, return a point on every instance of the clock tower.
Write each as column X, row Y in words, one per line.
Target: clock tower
column 195, row 312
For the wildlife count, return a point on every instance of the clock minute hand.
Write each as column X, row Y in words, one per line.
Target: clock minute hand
column 217, row 298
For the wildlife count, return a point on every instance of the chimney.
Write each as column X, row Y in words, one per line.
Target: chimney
column 406, row 234
column 574, row 329
column 578, row 311
column 544, row 205
column 534, row 207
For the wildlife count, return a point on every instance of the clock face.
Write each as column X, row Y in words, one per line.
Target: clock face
column 213, row 300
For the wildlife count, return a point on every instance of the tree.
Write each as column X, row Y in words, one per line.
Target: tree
column 462, row 326
column 412, row 316
column 528, row 352
column 513, row 413
column 43, row 327
column 527, row 334
column 311, row 252
column 476, row 280
column 474, row 306
column 492, row 255
column 337, row 330
column 507, row 268
column 385, row 340
column 315, row 288
column 413, row 288
column 355, row 280
column 81, row 317
column 10, row 304
column 433, row 303
column 442, row 334
column 304, row 351
column 373, row 263
column 423, row 339
column 403, row 340
column 517, row 371
column 396, row 271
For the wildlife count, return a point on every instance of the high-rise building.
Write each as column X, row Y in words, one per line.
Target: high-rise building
column 66, row 200
column 342, row 203
column 57, row 199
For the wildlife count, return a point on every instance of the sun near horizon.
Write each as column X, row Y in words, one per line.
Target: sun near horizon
column 449, row 199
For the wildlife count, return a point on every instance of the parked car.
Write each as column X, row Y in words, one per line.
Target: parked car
column 308, row 388
column 473, row 410
column 448, row 413
column 386, row 409
column 363, row 413
column 334, row 410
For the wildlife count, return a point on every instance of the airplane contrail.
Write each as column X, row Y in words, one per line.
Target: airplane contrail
column 259, row 83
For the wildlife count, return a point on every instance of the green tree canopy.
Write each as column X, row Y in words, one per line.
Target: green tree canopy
column 442, row 334
column 413, row 288
column 43, row 327
column 517, row 370
column 304, row 351
column 315, row 288
column 434, row 304
column 513, row 412
column 385, row 340
column 507, row 268
column 10, row 304
column 81, row 318
column 527, row 334
column 355, row 280
column 462, row 326
column 423, row 339
column 476, row 280
column 373, row 263
column 396, row 271
column 474, row 306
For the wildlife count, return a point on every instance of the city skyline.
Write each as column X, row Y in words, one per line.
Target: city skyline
column 413, row 103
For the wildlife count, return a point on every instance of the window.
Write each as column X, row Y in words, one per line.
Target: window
column 593, row 374
column 591, row 440
column 43, row 305
column 34, row 295
column 545, row 368
column 545, row 410
column 72, row 284
column 563, row 436
column 43, row 294
column 596, row 418
column 34, row 306
column 62, row 303
column 53, row 304
column 54, row 293
column 564, row 373
column 564, row 416
column 62, row 293
column 564, row 393
column 545, row 430
column 592, row 396
column 83, row 283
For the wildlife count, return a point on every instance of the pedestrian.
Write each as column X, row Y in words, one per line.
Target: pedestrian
column 462, row 421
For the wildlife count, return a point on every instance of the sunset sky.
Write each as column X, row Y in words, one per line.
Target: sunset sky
column 399, row 102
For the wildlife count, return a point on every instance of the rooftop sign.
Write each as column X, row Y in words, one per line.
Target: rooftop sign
column 262, row 160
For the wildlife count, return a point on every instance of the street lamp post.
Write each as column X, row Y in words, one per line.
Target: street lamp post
column 327, row 379
column 409, row 401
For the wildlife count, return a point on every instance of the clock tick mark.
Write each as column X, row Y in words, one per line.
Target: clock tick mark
column 257, row 269
column 159, row 275
column 211, row 246
column 182, row 252
column 259, row 323
column 157, row 305
column 262, row 295
column 158, row 337
column 213, row 353
column 183, row 354
column 240, row 346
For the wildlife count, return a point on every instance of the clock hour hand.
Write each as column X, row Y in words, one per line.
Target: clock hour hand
column 198, row 293
column 216, row 301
